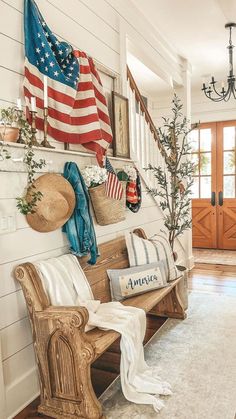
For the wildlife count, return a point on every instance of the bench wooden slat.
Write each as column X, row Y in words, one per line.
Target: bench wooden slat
column 149, row 299
column 101, row 340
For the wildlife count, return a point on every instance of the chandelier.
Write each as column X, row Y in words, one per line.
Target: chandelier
column 224, row 93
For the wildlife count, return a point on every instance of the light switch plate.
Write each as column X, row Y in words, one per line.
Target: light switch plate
column 7, row 223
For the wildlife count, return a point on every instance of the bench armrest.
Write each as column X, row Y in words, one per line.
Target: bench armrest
column 57, row 324
column 62, row 321
column 78, row 313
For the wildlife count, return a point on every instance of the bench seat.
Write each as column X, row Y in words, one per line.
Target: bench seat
column 102, row 339
column 150, row 299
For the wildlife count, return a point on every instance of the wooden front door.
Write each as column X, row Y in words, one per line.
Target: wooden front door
column 214, row 189
column 203, row 208
column 226, row 182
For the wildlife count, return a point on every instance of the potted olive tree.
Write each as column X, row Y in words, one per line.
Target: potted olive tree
column 175, row 180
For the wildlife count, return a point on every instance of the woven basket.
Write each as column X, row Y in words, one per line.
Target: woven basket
column 107, row 210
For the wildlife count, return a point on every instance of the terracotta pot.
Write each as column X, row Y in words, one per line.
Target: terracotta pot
column 10, row 134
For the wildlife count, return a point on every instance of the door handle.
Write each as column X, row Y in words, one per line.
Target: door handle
column 213, row 199
column 221, row 201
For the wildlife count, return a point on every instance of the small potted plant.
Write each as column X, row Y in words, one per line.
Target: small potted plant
column 107, row 210
column 9, row 124
column 13, row 122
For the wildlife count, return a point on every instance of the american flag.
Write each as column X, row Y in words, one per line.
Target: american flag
column 77, row 106
column 113, row 186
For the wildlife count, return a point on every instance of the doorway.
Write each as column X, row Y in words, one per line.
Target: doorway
column 214, row 188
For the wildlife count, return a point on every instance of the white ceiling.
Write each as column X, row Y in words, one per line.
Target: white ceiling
column 196, row 30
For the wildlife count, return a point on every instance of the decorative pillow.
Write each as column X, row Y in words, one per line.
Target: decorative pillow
column 126, row 283
column 142, row 251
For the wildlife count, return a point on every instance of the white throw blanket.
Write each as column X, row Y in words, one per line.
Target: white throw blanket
column 66, row 284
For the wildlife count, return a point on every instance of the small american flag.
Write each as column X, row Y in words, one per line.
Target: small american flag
column 77, row 106
column 113, row 186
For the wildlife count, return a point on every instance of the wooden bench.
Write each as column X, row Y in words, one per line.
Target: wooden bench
column 65, row 353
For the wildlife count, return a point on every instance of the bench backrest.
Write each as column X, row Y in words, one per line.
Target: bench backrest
column 113, row 255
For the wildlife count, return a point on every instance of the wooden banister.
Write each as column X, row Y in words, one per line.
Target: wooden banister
column 143, row 107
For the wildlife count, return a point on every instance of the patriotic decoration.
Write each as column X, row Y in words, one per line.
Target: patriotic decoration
column 113, row 186
column 77, row 106
column 131, row 189
column 131, row 192
column 134, row 194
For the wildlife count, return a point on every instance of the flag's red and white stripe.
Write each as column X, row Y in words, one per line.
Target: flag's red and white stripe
column 131, row 192
column 113, row 186
column 75, row 115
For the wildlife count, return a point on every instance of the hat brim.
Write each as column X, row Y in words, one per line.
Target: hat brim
column 51, row 182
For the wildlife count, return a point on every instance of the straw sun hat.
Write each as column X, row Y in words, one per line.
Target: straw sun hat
column 57, row 203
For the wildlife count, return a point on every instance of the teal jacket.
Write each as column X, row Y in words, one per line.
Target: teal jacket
column 79, row 228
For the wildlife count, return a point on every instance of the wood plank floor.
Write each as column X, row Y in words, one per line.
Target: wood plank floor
column 213, row 278
column 204, row 278
column 226, row 257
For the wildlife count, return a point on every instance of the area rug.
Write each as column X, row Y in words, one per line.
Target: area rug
column 198, row 357
column 214, row 256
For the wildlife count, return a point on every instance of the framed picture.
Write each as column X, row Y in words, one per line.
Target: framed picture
column 120, row 125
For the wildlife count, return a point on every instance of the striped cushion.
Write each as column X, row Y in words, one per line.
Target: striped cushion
column 143, row 251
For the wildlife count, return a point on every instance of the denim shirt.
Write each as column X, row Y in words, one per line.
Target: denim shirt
column 79, row 228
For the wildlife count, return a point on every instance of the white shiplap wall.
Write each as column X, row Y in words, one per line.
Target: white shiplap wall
column 25, row 244
column 92, row 25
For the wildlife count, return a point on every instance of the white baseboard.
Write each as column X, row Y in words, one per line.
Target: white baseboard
column 22, row 392
column 190, row 262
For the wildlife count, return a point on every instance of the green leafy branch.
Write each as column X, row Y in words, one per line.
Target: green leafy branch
column 28, row 202
column 4, row 151
column 9, row 116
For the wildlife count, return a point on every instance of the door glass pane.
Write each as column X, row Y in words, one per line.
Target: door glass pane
column 195, row 188
column 205, row 139
column 229, row 162
column 193, row 139
column 229, row 138
column 229, row 186
column 194, row 159
column 205, row 163
column 205, row 187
